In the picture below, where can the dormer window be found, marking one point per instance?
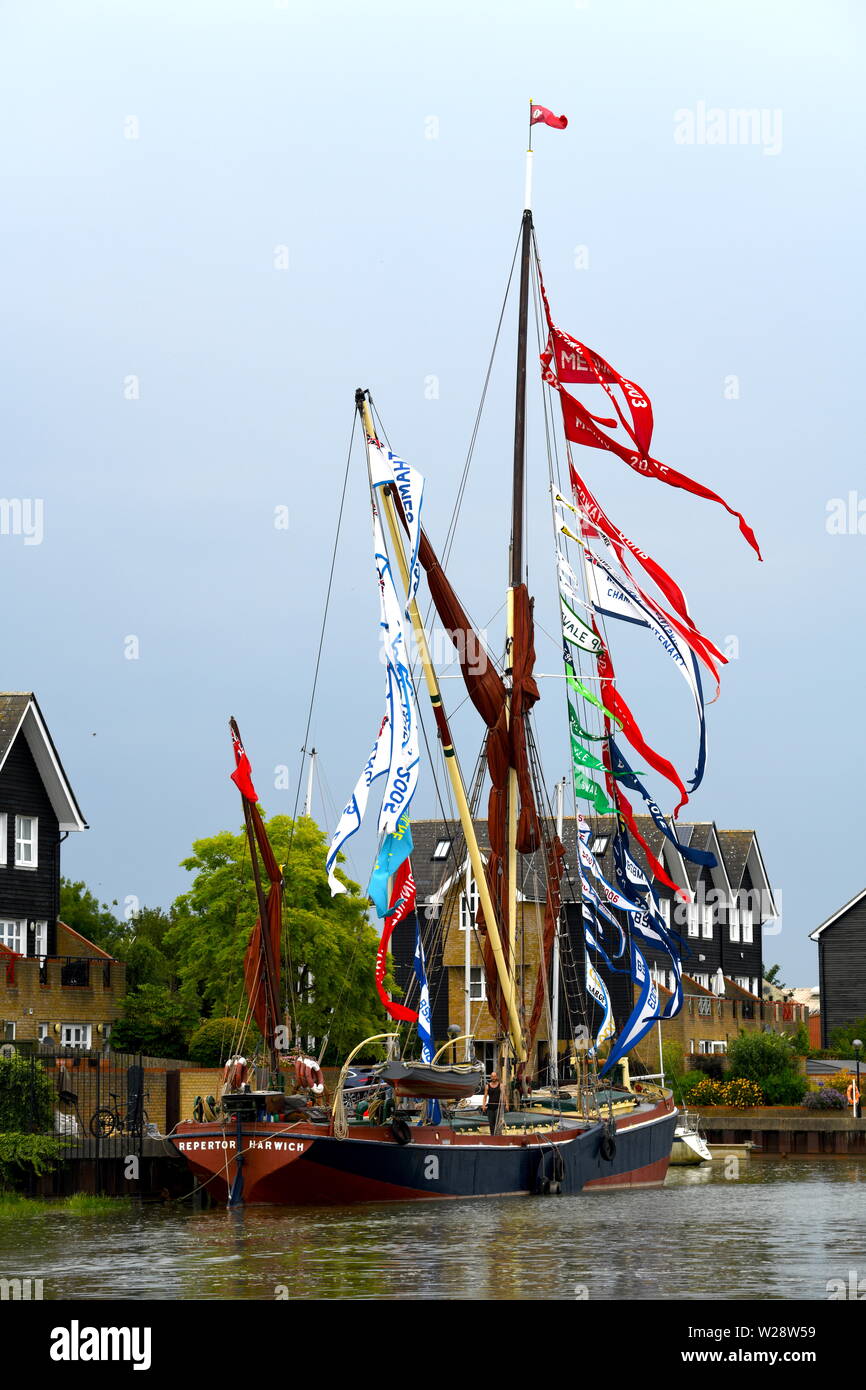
(442, 848)
(26, 842)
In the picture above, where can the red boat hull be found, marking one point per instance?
(304, 1164)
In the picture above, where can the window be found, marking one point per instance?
(477, 983)
(12, 936)
(44, 1032)
(599, 844)
(734, 923)
(8, 1032)
(665, 910)
(442, 848)
(756, 986)
(701, 978)
(26, 842)
(75, 1035)
(3, 837)
(743, 981)
(692, 920)
(706, 915)
(468, 910)
(748, 927)
(40, 939)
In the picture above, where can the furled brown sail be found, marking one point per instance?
(262, 958)
(505, 749)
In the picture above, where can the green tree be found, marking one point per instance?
(212, 1042)
(81, 910)
(841, 1039)
(329, 946)
(158, 1016)
(771, 975)
(157, 1021)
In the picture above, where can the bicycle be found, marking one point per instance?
(107, 1120)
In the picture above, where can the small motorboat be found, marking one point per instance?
(689, 1144)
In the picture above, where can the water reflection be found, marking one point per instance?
(776, 1231)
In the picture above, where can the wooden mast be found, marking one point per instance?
(454, 775)
(516, 556)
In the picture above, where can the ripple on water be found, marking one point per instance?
(778, 1231)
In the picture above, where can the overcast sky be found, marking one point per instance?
(220, 218)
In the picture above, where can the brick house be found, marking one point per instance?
(56, 987)
(722, 930)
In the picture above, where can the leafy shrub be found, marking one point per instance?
(760, 1055)
(784, 1088)
(688, 1082)
(23, 1155)
(708, 1063)
(841, 1080)
(827, 1098)
(210, 1044)
(741, 1093)
(27, 1096)
(706, 1091)
(672, 1057)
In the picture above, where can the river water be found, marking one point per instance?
(776, 1230)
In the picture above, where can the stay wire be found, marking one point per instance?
(323, 626)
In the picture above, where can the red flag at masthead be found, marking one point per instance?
(243, 773)
(541, 114)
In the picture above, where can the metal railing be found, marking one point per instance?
(96, 1104)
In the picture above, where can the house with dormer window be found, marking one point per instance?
(730, 907)
(56, 987)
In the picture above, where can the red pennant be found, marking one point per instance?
(243, 773)
(402, 903)
(582, 427)
(702, 647)
(612, 699)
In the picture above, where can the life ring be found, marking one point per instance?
(234, 1073)
(401, 1132)
(607, 1147)
(309, 1073)
(853, 1094)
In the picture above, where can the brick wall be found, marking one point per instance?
(27, 1001)
(198, 1081)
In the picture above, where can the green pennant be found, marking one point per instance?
(587, 790)
(578, 730)
(575, 630)
(578, 752)
(580, 689)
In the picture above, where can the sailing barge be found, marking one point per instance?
(269, 1147)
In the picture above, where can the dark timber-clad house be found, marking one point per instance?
(55, 986)
(842, 966)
